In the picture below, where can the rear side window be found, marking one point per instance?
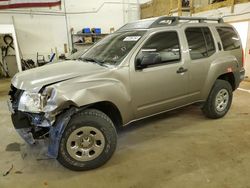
(209, 41)
(200, 42)
(230, 40)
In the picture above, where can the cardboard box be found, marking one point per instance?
(88, 39)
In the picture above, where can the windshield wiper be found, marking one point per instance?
(101, 63)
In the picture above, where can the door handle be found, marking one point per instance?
(181, 70)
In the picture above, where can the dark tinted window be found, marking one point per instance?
(164, 43)
(229, 38)
(200, 42)
(209, 41)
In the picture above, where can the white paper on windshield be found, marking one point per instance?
(132, 38)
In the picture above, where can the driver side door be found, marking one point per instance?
(162, 83)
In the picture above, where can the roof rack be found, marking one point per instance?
(174, 20)
(165, 21)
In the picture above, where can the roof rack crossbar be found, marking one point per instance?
(173, 20)
(164, 21)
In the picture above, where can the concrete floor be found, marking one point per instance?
(177, 149)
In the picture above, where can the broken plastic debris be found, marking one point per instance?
(7, 172)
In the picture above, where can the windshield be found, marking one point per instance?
(76, 55)
(113, 48)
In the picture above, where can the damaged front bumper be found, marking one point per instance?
(29, 125)
(24, 124)
(32, 126)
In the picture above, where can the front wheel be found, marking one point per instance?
(219, 100)
(88, 141)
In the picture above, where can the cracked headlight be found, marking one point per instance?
(31, 102)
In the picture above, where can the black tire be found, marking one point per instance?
(209, 109)
(88, 118)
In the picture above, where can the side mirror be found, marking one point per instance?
(147, 59)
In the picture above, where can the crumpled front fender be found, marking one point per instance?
(56, 131)
(85, 93)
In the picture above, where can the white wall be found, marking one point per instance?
(247, 52)
(43, 29)
(9, 28)
(144, 1)
(242, 29)
(244, 32)
(39, 33)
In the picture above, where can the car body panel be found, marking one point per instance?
(157, 93)
(107, 86)
(35, 79)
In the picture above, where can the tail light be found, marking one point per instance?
(243, 58)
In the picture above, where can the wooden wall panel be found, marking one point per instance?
(163, 7)
(157, 8)
(147, 10)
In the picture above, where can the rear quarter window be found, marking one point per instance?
(229, 38)
(200, 42)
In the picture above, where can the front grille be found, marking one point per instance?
(15, 95)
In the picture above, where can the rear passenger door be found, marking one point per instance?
(201, 47)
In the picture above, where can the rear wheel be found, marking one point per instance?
(219, 100)
(88, 141)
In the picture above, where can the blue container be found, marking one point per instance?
(86, 30)
(96, 30)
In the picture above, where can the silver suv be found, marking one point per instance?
(145, 68)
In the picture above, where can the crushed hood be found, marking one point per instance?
(35, 79)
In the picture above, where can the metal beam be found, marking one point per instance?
(179, 7)
(191, 5)
(232, 5)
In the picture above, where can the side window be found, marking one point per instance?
(165, 45)
(209, 41)
(200, 42)
(229, 38)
